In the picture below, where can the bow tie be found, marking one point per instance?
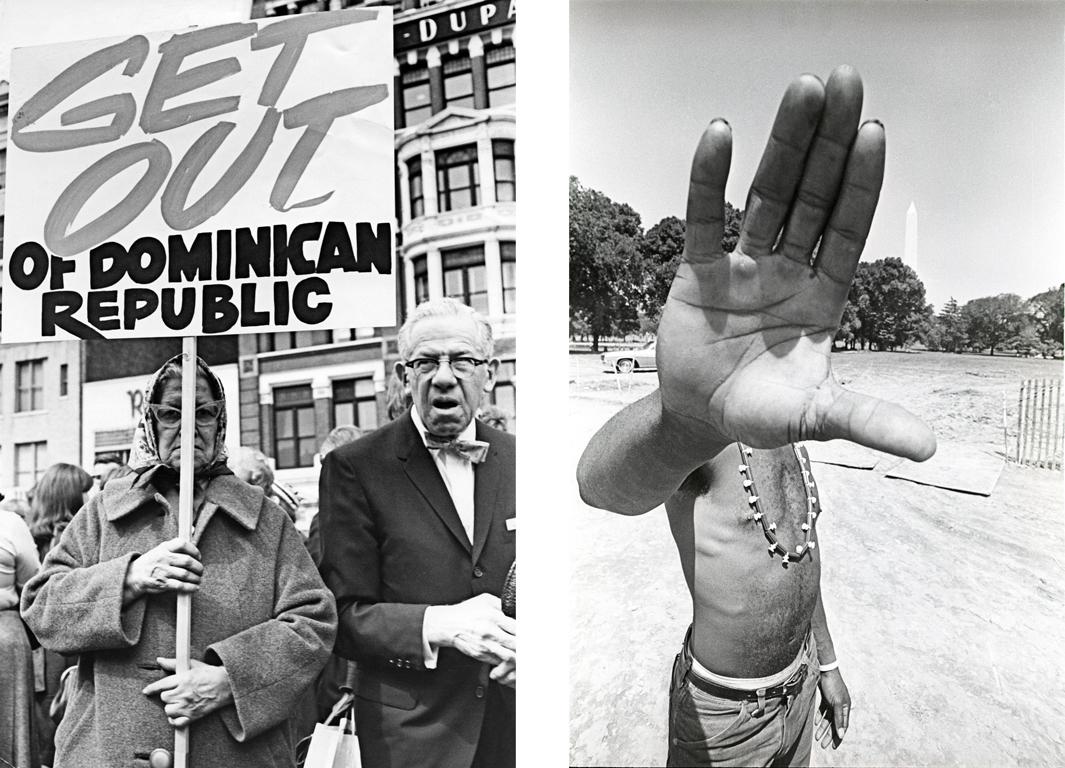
(474, 451)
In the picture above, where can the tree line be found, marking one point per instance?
(620, 277)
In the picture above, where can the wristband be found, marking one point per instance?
(830, 666)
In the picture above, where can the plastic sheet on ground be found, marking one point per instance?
(843, 453)
(955, 466)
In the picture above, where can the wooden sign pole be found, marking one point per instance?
(189, 374)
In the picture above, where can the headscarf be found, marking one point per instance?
(145, 452)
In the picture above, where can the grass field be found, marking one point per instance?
(946, 608)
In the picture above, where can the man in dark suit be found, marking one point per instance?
(417, 523)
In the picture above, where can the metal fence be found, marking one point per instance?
(1039, 427)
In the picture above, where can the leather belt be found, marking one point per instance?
(789, 688)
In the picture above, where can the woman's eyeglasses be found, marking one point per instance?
(206, 414)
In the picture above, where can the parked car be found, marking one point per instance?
(628, 360)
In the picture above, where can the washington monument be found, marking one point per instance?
(910, 254)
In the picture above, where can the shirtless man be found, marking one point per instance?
(744, 362)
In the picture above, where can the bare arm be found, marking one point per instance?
(833, 713)
(826, 652)
(641, 456)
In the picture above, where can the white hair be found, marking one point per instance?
(446, 307)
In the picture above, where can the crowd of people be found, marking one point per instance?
(402, 570)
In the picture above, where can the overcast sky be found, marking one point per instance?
(971, 95)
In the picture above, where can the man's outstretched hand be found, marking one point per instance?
(745, 338)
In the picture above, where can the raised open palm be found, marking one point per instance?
(745, 338)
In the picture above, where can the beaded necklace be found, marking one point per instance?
(813, 506)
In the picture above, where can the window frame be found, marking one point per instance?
(409, 79)
(416, 171)
(120, 453)
(421, 279)
(35, 390)
(503, 152)
(40, 462)
(268, 341)
(497, 58)
(454, 68)
(508, 254)
(505, 376)
(298, 439)
(464, 156)
(355, 400)
(462, 261)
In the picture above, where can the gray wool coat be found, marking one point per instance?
(262, 611)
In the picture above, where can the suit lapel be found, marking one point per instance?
(421, 469)
(486, 488)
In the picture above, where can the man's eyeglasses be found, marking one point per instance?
(462, 367)
(206, 414)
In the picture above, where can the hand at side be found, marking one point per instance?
(190, 695)
(834, 711)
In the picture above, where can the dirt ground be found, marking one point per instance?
(946, 609)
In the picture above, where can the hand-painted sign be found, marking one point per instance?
(229, 179)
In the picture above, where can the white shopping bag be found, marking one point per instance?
(334, 746)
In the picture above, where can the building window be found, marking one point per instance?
(3, 167)
(417, 105)
(354, 402)
(283, 340)
(502, 75)
(457, 178)
(289, 7)
(458, 83)
(117, 455)
(503, 154)
(63, 383)
(31, 459)
(29, 384)
(417, 192)
(507, 257)
(464, 276)
(502, 395)
(295, 440)
(421, 280)
(367, 332)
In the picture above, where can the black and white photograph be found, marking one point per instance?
(790, 478)
(814, 379)
(258, 384)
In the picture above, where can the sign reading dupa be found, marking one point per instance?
(237, 178)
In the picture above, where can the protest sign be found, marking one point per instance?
(235, 178)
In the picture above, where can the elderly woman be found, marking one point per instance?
(262, 622)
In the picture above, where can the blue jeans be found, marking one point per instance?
(709, 730)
